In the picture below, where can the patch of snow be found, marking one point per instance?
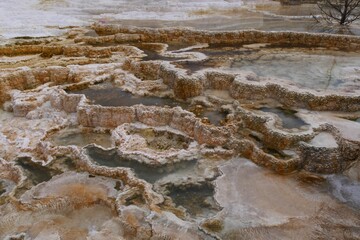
(38, 18)
(324, 140)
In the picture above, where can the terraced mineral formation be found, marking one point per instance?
(139, 133)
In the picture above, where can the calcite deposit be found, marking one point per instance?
(141, 133)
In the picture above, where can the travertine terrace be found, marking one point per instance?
(112, 132)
